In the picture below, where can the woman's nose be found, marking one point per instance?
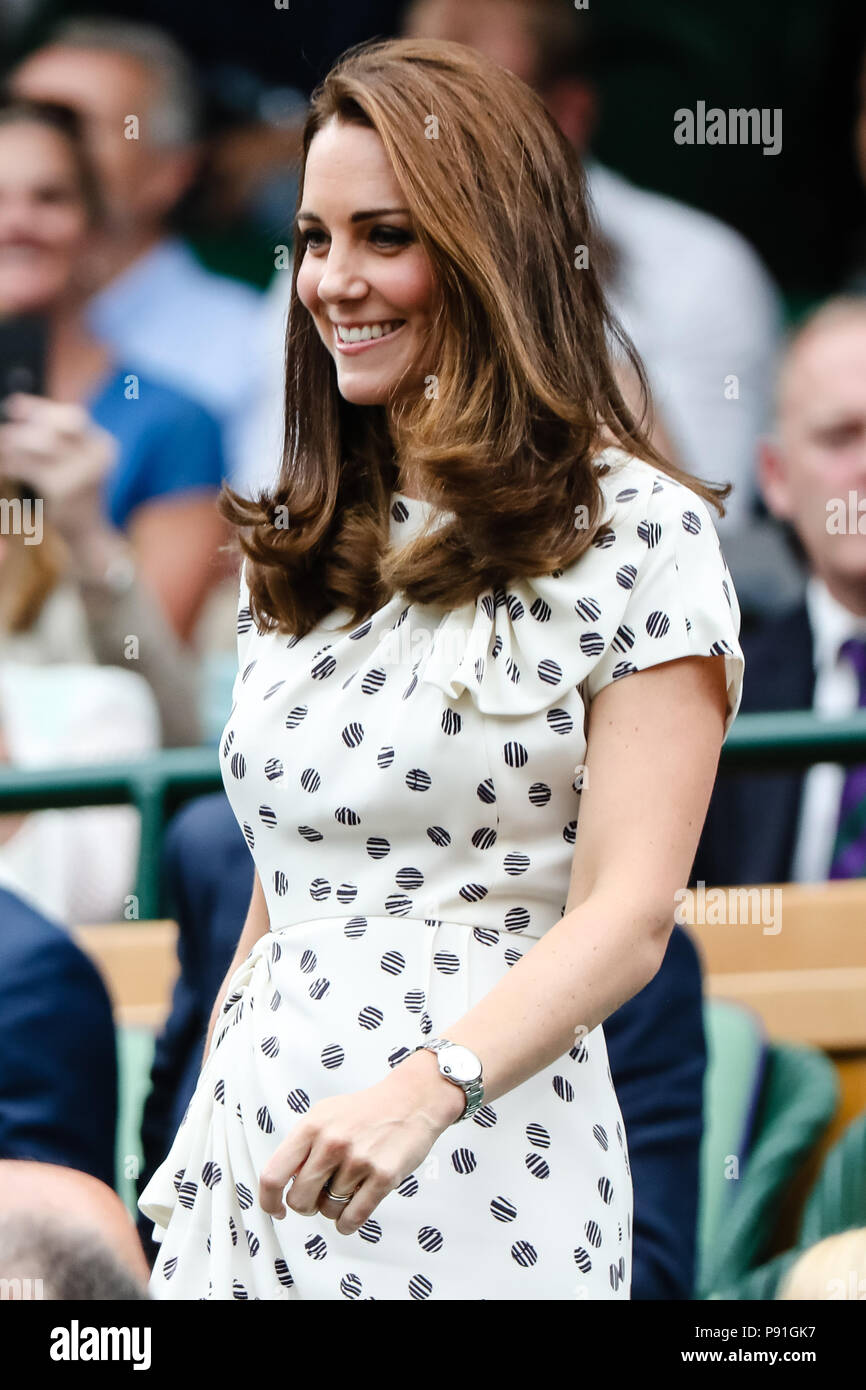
(16, 217)
(340, 278)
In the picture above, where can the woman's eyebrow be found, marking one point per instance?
(356, 216)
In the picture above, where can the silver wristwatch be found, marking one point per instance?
(461, 1066)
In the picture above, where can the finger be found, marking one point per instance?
(19, 404)
(280, 1168)
(327, 1154)
(308, 1187)
(70, 419)
(343, 1184)
(330, 1209)
(29, 438)
(365, 1201)
(66, 417)
(18, 468)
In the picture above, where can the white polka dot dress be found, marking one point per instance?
(407, 789)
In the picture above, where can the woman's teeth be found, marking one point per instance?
(370, 330)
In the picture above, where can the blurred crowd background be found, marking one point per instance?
(148, 177)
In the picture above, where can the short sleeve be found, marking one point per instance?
(168, 445)
(681, 599)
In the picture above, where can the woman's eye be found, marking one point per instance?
(383, 235)
(307, 237)
(391, 236)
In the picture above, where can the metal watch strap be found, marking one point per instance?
(473, 1090)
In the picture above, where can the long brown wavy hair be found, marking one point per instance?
(524, 345)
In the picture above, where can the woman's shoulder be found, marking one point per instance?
(161, 401)
(651, 586)
(168, 442)
(629, 483)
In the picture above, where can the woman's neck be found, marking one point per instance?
(76, 360)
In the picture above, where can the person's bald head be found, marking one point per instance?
(817, 455)
(67, 1229)
(822, 369)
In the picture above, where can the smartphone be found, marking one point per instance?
(23, 354)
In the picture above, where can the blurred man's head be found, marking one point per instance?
(69, 1231)
(817, 457)
(544, 42)
(136, 94)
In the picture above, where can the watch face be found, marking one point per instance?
(460, 1063)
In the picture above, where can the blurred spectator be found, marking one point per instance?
(75, 865)
(157, 304)
(58, 1067)
(106, 447)
(806, 827)
(69, 603)
(66, 1236)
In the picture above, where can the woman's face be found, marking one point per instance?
(363, 268)
(43, 218)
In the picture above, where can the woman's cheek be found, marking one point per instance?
(307, 282)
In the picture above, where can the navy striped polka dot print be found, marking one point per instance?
(410, 791)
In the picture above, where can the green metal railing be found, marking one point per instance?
(158, 785)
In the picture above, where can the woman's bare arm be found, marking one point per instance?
(653, 748)
(256, 925)
(177, 543)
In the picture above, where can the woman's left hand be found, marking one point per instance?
(365, 1143)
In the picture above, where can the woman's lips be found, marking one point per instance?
(350, 348)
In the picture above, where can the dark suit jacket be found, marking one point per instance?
(58, 1065)
(655, 1045)
(750, 831)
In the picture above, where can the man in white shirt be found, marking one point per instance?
(782, 827)
(813, 476)
(156, 305)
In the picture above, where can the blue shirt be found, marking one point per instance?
(202, 333)
(169, 444)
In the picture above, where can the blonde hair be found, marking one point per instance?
(28, 573)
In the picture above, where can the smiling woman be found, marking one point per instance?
(365, 279)
(130, 480)
(431, 939)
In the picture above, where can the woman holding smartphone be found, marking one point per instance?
(128, 468)
(488, 654)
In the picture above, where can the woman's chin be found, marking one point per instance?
(364, 393)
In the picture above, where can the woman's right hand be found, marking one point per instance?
(64, 456)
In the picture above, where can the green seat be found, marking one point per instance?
(134, 1056)
(836, 1203)
(737, 1053)
(798, 1100)
(838, 1199)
